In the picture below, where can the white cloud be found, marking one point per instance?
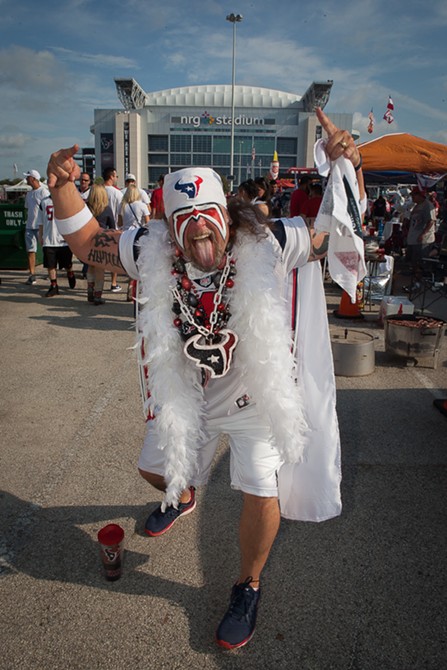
(11, 142)
(176, 60)
(27, 71)
(96, 60)
(422, 108)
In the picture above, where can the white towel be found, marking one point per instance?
(340, 216)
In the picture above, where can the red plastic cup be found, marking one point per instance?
(111, 544)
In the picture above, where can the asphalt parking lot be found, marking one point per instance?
(365, 591)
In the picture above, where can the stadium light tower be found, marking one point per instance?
(233, 18)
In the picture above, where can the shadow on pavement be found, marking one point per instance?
(362, 590)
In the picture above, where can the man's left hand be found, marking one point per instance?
(339, 142)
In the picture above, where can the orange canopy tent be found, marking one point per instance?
(403, 152)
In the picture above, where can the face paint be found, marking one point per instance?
(208, 211)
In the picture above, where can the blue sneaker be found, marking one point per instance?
(238, 625)
(159, 522)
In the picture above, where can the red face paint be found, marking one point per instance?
(208, 211)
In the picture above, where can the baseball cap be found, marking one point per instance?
(192, 186)
(32, 173)
(130, 177)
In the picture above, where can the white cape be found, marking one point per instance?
(310, 490)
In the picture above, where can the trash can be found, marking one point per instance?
(13, 255)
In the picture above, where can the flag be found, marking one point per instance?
(426, 181)
(253, 153)
(15, 168)
(274, 166)
(371, 121)
(389, 118)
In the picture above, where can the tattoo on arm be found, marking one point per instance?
(319, 245)
(104, 250)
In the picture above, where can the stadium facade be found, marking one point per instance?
(160, 132)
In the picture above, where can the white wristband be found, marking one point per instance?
(75, 222)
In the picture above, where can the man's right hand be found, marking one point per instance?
(62, 167)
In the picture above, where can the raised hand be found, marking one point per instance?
(62, 167)
(339, 142)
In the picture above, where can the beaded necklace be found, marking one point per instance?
(207, 340)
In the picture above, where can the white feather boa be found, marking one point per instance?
(259, 317)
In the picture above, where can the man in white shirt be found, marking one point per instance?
(56, 252)
(33, 199)
(115, 197)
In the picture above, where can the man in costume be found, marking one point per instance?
(217, 286)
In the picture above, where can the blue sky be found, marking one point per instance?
(58, 61)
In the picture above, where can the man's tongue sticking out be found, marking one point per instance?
(204, 253)
(202, 245)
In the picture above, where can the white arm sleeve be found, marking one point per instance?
(126, 251)
(296, 249)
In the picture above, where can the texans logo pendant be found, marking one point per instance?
(214, 358)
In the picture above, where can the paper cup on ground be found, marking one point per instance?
(111, 544)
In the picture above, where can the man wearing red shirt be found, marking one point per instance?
(300, 197)
(157, 205)
(314, 201)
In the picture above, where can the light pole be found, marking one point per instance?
(233, 18)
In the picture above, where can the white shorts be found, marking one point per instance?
(254, 461)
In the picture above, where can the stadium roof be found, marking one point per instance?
(132, 96)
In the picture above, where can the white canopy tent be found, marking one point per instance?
(20, 186)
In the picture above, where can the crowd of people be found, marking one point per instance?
(276, 201)
(409, 223)
(112, 207)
